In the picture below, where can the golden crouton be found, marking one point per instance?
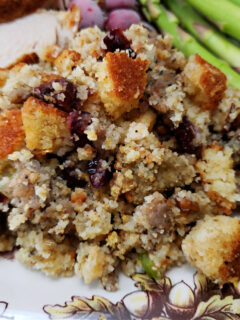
(11, 132)
(67, 61)
(148, 118)
(204, 82)
(122, 81)
(218, 176)
(44, 125)
(213, 246)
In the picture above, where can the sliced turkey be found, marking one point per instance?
(32, 33)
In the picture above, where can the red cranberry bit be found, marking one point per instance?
(122, 18)
(185, 135)
(61, 92)
(3, 198)
(3, 215)
(9, 255)
(78, 121)
(99, 175)
(3, 222)
(116, 40)
(162, 130)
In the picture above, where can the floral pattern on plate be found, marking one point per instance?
(158, 299)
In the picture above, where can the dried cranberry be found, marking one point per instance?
(9, 255)
(99, 176)
(116, 40)
(3, 198)
(3, 222)
(78, 121)
(162, 130)
(185, 135)
(60, 92)
(69, 174)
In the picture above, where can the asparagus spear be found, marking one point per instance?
(148, 266)
(237, 2)
(225, 14)
(168, 23)
(203, 31)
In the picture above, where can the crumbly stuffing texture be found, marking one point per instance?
(106, 155)
(218, 177)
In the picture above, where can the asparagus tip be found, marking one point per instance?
(184, 36)
(172, 17)
(201, 29)
(237, 69)
(154, 10)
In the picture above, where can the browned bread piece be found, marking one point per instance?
(67, 61)
(213, 246)
(12, 9)
(44, 125)
(218, 178)
(11, 132)
(122, 81)
(204, 82)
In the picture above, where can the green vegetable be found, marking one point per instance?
(148, 266)
(203, 31)
(168, 23)
(224, 13)
(237, 2)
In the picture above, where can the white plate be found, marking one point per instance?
(182, 295)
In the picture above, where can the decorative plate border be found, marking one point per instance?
(157, 299)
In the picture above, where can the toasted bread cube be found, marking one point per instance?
(12, 136)
(45, 126)
(93, 261)
(213, 246)
(122, 81)
(148, 118)
(218, 177)
(67, 60)
(204, 82)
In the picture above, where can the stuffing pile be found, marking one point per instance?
(116, 146)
